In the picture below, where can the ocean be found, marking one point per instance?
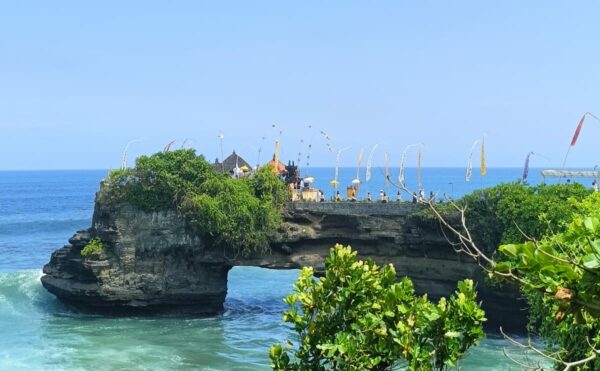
(40, 210)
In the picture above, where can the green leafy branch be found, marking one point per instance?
(359, 317)
(558, 273)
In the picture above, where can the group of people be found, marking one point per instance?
(421, 197)
(384, 198)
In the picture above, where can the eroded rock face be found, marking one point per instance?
(154, 263)
(151, 263)
(389, 234)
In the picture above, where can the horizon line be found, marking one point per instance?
(330, 167)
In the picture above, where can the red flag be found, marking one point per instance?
(576, 135)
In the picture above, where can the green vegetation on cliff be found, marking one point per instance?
(94, 247)
(236, 213)
(513, 212)
(508, 212)
(359, 317)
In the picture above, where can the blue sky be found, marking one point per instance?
(79, 79)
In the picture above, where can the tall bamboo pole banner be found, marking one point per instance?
(483, 168)
(370, 162)
(401, 173)
(323, 135)
(168, 146)
(577, 132)
(419, 169)
(309, 150)
(335, 182)
(326, 137)
(387, 173)
(361, 157)
(300, 153)
(470, 162)
(262, 142)
(221, 136)
(526, 168)
(124, 159)
(327, 140)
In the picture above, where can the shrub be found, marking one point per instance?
(237, 213)
(552, 255)
(513, 212)
(359, 317)
(94, 247)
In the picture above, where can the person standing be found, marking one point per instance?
(338, 198)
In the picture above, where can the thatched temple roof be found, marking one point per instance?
(231, 162)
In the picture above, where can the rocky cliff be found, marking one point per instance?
(153, 262)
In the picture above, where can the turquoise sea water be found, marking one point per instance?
(39, 211)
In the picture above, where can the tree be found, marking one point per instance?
(359, 317)
(557, 270)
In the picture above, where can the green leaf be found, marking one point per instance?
(508, 250)
(452, 334)
(590, 261)
(590, 223)
(276, 351)
(433, 316)
(596, 246)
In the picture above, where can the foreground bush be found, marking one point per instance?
(359, 317)
(560, 277)
(551, 252)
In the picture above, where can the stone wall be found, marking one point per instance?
(357, 208)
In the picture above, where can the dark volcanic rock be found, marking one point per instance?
(151, 263)
(154, 263)
(389, 234)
